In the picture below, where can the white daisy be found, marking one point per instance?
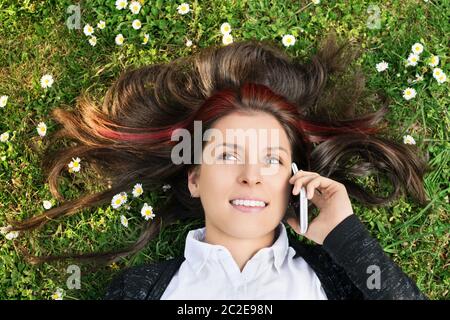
(136, 24)
(437, 72)
(412, 59)
(41, 129)
(135, 7)
(433, 61)
(183, 8)
(166, 187)
(146, 37)
(101, 24)
(408, 140)
(316, 1)
(74, 165)
(93, 41)
(409, 93)
(227, 39)
(58, 295)
(3, 101)
(47, 204)
(12, 235)
(88, 30)
(417, 48)
(288, 40)
(147, 212)
(4, 137)
(4, 230)
(188, 43)
(225, 28)
(439, 75)
(442, 78)
(382, 66)
(119, 39)
(116, 201)
(121, 4)
(46, 81)
(137, 190)
(124, 221)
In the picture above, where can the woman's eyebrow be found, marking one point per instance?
(240, 148)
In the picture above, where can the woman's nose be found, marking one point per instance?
(250, 174)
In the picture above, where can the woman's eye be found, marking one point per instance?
(274, 158)
(224, 155)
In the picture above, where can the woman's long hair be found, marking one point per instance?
(128, 138)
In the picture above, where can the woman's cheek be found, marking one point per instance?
(283, 191)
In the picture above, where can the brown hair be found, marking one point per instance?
(127, 139)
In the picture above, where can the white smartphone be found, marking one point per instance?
(303, 207)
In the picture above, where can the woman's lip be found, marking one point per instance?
(248, 209)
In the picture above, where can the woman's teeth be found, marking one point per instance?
(248, 203)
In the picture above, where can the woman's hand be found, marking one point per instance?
(332, 201)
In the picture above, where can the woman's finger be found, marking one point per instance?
(300, 174)
(319, 183)
(302, 181)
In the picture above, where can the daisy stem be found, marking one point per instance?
(301, 9)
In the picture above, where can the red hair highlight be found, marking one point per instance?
(226, 101)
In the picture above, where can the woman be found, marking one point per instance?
(251, 86)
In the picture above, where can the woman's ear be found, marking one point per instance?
(193, 175)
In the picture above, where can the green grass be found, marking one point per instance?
(34, 40)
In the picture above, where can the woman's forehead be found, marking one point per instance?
(247, 119)
(249, 128)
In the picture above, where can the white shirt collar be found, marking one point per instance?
(197, 252)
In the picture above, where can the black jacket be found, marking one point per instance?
(346, 265)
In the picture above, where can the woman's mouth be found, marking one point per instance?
(248, 206)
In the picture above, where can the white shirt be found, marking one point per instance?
(210, 272)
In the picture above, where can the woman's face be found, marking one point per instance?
(258, 167)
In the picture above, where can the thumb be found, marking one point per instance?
(313, 232)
